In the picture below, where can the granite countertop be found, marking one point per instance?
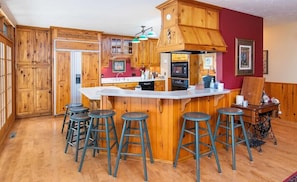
(95, 93)
(127, 80)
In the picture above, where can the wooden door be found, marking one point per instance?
(90, 72)
(62, 80)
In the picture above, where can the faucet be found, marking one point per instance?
(118, 74)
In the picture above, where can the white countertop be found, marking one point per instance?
(95, 93)
(126, 80)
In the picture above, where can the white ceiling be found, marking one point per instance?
(125, 17)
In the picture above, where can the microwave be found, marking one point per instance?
(179, 69)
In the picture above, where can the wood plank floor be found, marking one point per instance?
(36, 153)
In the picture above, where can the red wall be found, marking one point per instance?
(238, 25)
(130, 71)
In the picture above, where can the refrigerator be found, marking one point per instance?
(165, 67)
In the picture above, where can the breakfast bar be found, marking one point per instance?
(165, 109)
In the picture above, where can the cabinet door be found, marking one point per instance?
(42, 91)
(143, 53)
(90, 72)
(62, 80)
(153, 53)
(106, 53)
(25, 47)
(159, 85)
(41, 47)
(24, 90)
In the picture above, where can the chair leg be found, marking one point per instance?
(213, 147)
(120, 149)
(69, 135)
(108, 145)
(143, 150)
(246, 139)
(197, 151)
(148, 141)
(179, 144)
(233, 144)
(64, 120)
(85, 146)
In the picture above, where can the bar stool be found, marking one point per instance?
(140, 119)
(104, 124)
(75, 110)
(230, 113)
(77, 129)
(67, 113)
(197, 118)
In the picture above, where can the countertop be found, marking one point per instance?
(127, 80)
(95, 93)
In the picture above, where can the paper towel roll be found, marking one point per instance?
(239, 99)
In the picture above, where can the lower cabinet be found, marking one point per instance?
(159, 85)
(34, 91)
(127, 85)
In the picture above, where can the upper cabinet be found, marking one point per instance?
(115, 46)
(145, 54)
(33, 46)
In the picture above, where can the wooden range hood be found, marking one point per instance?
(189, 25)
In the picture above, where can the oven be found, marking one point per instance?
(179, 84)
(179, 69)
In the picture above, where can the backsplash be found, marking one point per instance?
(130, 71)
(106, 72)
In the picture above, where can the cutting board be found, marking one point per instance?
(252, 89)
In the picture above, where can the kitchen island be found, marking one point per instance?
(165, 109)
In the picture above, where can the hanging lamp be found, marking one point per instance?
(142, 36)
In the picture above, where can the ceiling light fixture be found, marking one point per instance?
(142, 36)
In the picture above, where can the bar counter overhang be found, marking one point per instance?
(165, 110)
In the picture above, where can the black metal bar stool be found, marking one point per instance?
(67, 113)
(140, 119)
(104, 124)
(230, 114)
(197, 118)
(77, 129)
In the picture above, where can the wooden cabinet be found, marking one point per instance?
(159, 85)
(145, 54)
(115, 46)
(33, 72)
(125, 85)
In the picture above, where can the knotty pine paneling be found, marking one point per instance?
(286, 93)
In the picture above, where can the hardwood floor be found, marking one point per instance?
(36, 153)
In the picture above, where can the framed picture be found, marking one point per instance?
(208, 62)
(265, 62)
(118, 66)
(244, 56)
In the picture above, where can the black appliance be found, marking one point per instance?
(179, 84)
(147, 85)
(179, 69)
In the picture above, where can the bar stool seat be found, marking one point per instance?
(230, 113)
(140, 130)
(77, 131)
(101, 122)
(197, 118)
(67, 113)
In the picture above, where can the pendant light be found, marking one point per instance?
(142, 36)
